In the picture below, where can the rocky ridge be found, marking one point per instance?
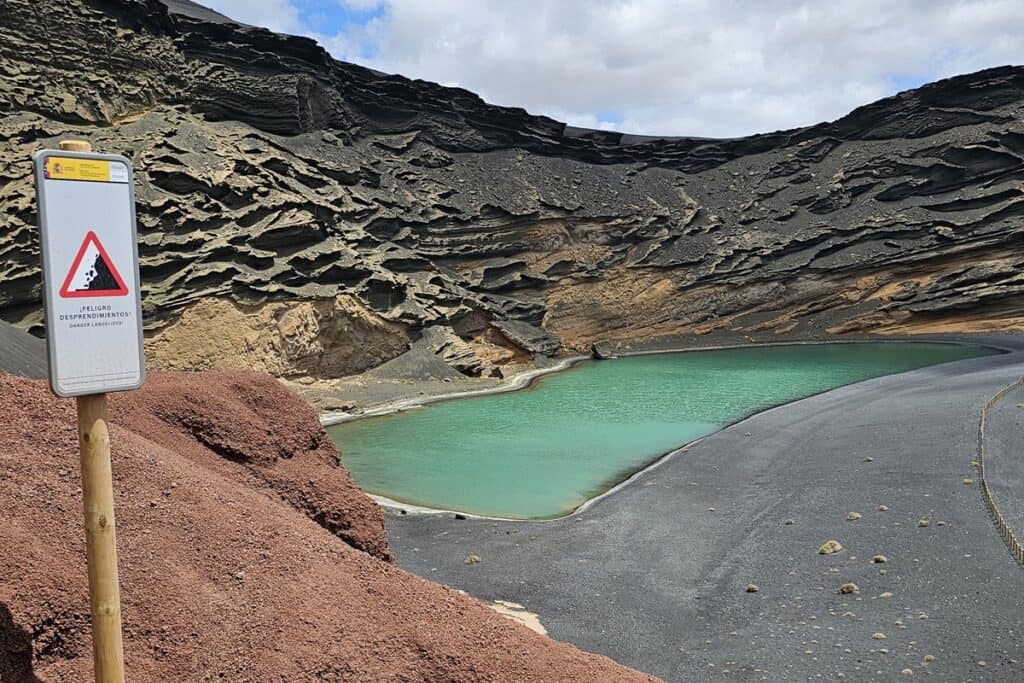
(313, 218)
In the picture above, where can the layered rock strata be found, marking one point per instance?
(338, 213)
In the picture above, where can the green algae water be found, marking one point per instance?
(543, 451)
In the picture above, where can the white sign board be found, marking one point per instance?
(90, 272)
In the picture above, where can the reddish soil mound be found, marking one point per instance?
(240, 552)
(249, 427)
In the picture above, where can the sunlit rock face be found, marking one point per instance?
(376, 207)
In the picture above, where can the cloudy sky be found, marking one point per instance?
(712, 68)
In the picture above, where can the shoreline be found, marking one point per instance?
(526, 379)
(514, 383)
(750, 502)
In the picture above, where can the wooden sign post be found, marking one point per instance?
(100, 538)
(94, 343)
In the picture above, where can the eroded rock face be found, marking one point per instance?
(271, 175)
(315, 338)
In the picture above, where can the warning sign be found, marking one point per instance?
(93, 273)
(90, 272)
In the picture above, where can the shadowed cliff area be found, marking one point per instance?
(312, 218)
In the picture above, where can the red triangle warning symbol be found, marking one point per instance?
(92, 272)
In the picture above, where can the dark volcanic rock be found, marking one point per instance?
(269, 173)
(601, 350)
(526, 336)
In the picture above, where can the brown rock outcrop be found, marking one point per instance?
(322, 338)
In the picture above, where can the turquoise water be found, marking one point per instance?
(543, 451)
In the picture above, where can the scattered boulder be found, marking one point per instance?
(830, 547)
(472, 559)
(848, 588)
(752, 588)
(602, 350)
(853, 516)
(455, 351)
(528, 337)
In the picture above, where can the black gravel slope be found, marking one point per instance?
(655, 574)
(21, 353)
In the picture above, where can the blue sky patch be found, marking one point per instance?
(331, 18)
(906, 82)
(615, 117)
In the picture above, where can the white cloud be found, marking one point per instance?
(679, 67)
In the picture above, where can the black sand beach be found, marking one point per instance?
(656, 574)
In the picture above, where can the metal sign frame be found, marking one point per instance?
(52, 280)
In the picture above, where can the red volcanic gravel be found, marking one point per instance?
(246, 552)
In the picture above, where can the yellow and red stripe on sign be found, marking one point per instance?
(97, 170)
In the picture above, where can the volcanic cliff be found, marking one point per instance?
(312, 218)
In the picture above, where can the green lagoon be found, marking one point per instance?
(543, 451)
